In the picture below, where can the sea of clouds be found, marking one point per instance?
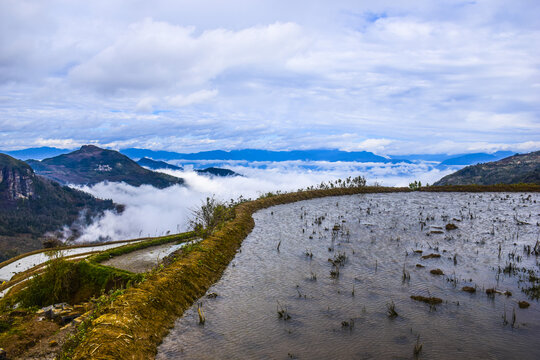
(153, 212)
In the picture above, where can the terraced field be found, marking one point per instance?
(344, 277)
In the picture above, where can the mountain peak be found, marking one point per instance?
(91, 164)
(90, 148)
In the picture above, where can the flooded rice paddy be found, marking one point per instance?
(332, 278)
(143, 260)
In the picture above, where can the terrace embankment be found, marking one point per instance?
(139, 319)
(344, 282)
(70, 274)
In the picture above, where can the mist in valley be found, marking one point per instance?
(153, 212)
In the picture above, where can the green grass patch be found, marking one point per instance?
(72, 282)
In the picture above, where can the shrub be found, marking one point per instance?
(416, 185)
(72, 282)
(210, 217)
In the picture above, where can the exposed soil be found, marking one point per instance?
(32, 337)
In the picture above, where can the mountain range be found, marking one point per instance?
(90, 165)
(157, 165)
(475, 158)
(262, 155)
(267, 155)
(38, 153)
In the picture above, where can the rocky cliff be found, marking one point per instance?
(15, 179)
(31, 206)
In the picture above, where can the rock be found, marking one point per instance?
(56, 313)
(61, 305)
(48, 312)
(437, 272)
(80, 308)
(69, 317)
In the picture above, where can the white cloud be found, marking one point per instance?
(156, 54)
(193, 98)
(494, 121)
(203, 75)
(375, 145)
(146, 104)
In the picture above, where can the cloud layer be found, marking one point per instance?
(391, 77)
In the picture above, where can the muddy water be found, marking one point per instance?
(143, 260)
(377, 233)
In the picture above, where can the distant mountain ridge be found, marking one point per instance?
(262, 155)
(331, 155)
(39, 153)
(476, 158)
(31, 205)
(156, 164)
(212, 171)
(90, 165)
(455, 159)
(520, 168)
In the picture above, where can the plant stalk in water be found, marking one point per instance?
(202, 318)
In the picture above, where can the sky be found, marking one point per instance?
(391, 77)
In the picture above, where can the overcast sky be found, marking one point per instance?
(392, 77)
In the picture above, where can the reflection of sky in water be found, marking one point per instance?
(383, 230)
